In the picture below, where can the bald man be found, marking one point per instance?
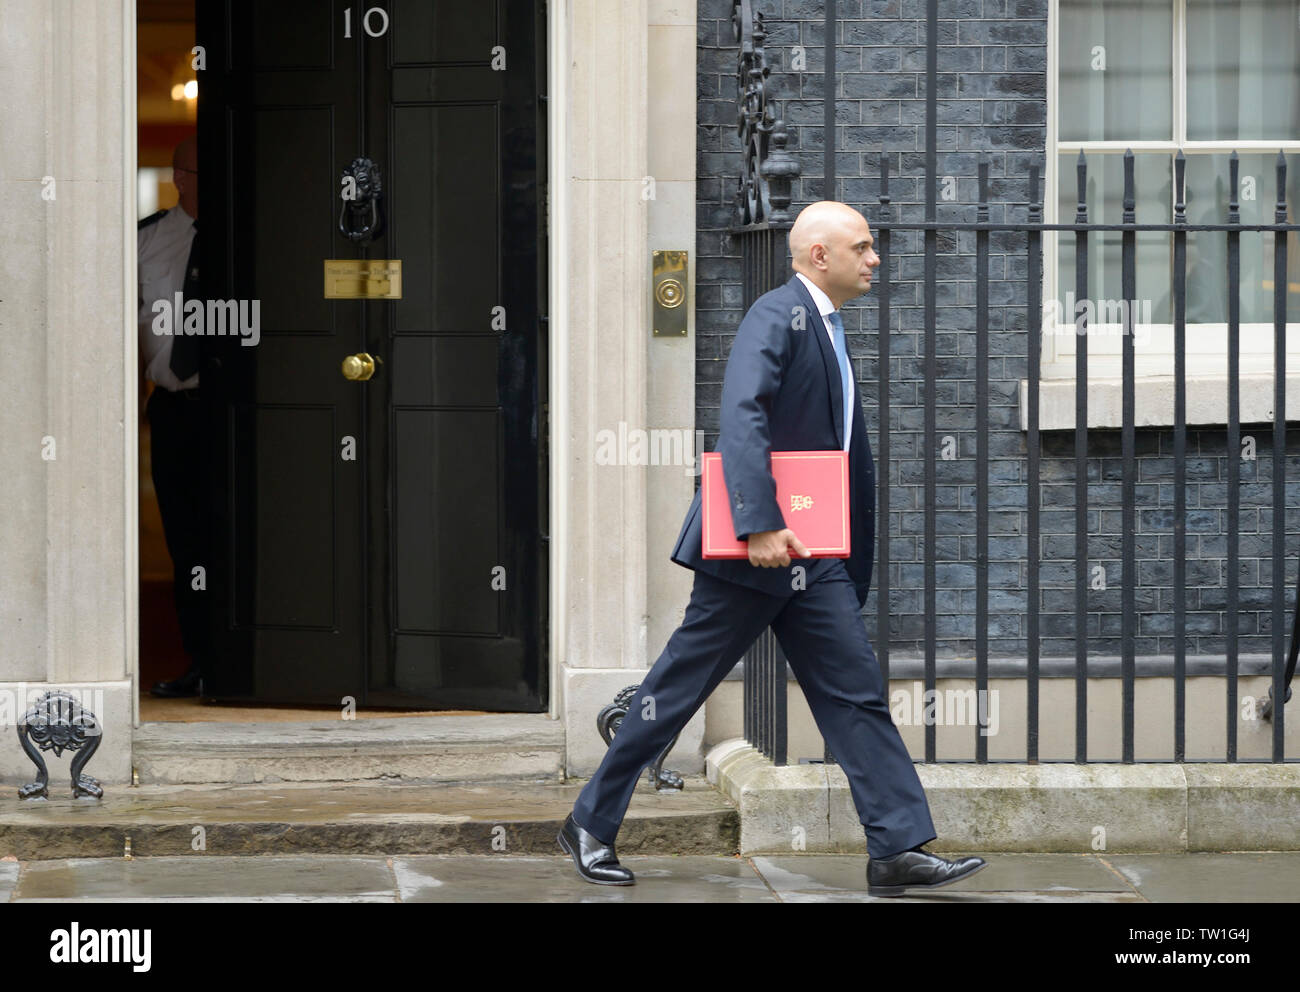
(789, 386)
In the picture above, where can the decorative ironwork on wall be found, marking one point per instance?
(611, 718)
(768, 170)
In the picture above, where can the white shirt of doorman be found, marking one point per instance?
(163, 249)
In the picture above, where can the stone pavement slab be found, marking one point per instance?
(199, 878)
(509, 879)
(8, 878)
(1007, 878)
(1254, 876)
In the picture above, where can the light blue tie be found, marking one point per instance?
(846, 374)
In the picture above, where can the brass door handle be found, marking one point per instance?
(360, 367)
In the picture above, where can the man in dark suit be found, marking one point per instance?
(788, 386)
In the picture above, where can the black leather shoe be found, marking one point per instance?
(917, 869)
(189, 684)
(595, 860)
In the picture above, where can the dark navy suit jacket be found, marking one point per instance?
(781, 392)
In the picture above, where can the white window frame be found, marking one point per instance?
(1206, 369)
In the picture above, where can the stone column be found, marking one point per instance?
(68, 413)
(623, 183)
(671, 400)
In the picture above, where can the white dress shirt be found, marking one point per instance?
(163, 249)
(825, 306)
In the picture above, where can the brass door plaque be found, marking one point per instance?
(669, 286)
(363, 278)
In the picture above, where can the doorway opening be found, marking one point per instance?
(167, 114)
(374, 468)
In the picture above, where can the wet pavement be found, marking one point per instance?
(1033, 878)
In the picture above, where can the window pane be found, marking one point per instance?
(1116, 70)
(1207, 251)
(1153, 185)
(1243, 70)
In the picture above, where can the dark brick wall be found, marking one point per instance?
(992, 100)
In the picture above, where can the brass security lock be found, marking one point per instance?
(669, 287)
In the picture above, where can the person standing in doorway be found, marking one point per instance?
(788, 386)
(167, 246)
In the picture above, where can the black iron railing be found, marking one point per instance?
(765, 715)
(760, 233)
(762, 227)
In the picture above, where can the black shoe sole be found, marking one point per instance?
(587, 878)
(888, 891)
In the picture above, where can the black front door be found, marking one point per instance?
(378, 539)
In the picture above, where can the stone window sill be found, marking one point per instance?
(1153, 400)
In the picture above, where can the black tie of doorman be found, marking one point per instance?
(185, 347)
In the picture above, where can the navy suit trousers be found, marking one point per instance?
(825, 642)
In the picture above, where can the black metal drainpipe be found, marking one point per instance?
(931, 244)
(830, 91)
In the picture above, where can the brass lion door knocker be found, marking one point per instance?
(362, 191)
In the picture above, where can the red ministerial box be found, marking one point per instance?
(812, 490)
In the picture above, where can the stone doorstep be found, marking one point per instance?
(477, 748)
(1057, 808)
(351, 818)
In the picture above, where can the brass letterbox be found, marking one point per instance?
(363, 279)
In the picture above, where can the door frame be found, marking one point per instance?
(555, 254)
(552, 47)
